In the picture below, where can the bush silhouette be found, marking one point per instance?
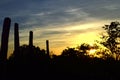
(29, 61)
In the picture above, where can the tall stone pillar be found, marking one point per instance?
(16, 38)
(31, 38)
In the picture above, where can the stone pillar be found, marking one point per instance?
(31, 38)
(16, 38)
(47, 47)
(4, 48)
(4, 39)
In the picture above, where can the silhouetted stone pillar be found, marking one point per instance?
(4, 39)
(16, 38)
(4, 48)
(31, 38)
(47, 47)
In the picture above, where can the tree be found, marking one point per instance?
(84, 47)
(112, 39)
(69, 52)
(27, 53)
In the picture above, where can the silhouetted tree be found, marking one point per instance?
(99, 52)
(26, 55)
(80, 51)
(111, 40)
(69, 52)
(83, 48)
(28, 64)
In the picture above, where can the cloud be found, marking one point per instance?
(112, 7)
(51, 13)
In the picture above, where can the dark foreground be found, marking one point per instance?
(64, 68)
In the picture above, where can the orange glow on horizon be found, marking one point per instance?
(71, 38)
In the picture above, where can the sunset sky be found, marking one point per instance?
(65, 23)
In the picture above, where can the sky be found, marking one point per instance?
(65, 23)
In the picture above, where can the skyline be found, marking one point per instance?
(63, 22)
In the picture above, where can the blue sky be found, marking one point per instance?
(66, 23)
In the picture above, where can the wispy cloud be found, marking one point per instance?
(112, 7)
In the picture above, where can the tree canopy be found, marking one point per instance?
(112, 39)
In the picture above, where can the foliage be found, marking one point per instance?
(111, 40)
(83, 47)
(28, 53)
(69, 52)
(84, 50)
